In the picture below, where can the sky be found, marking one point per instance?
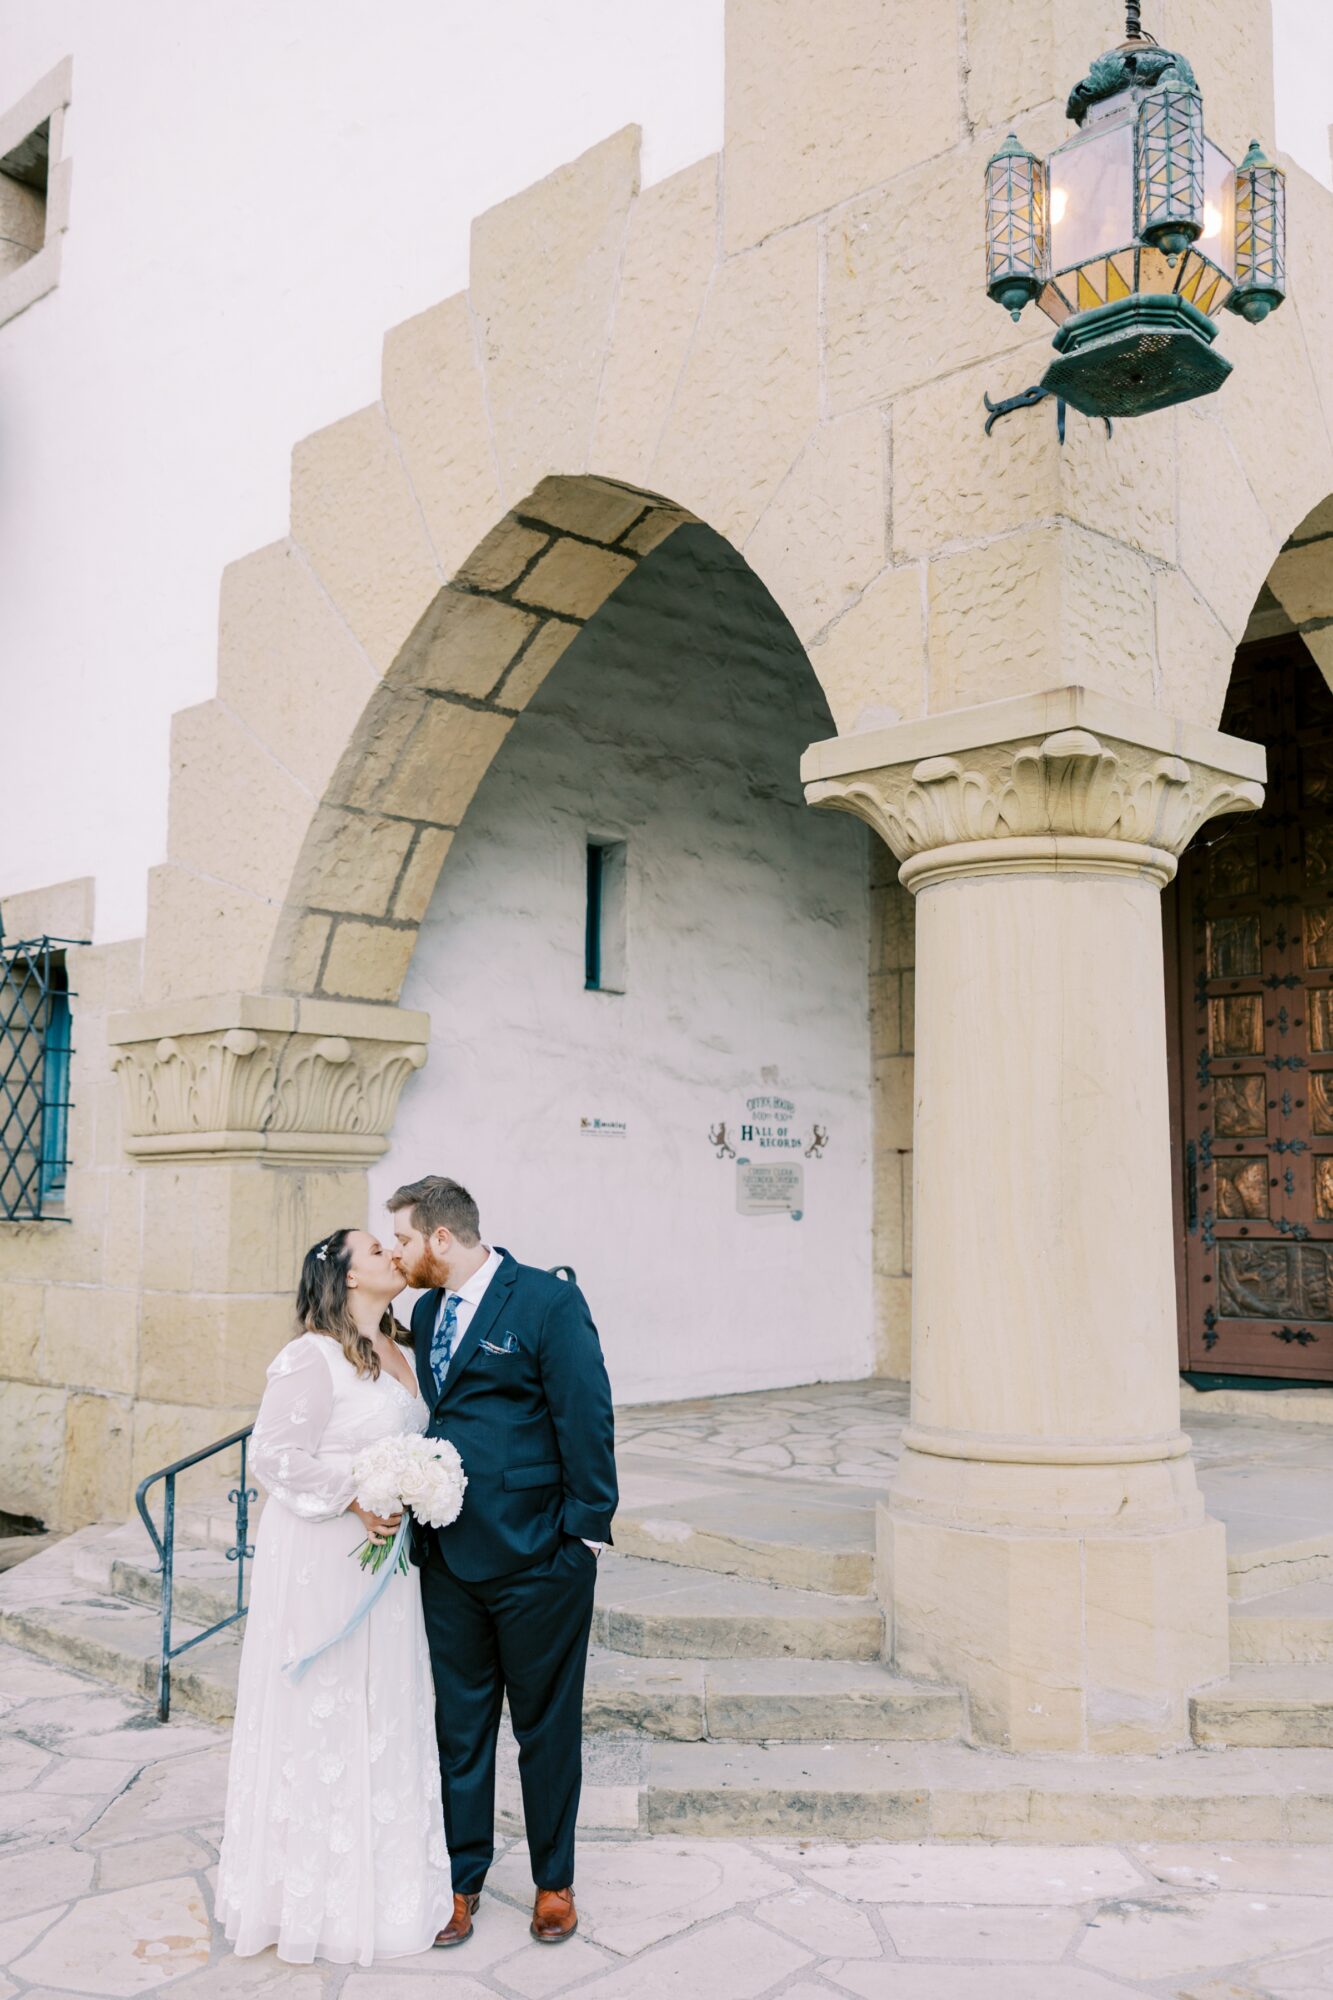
(1303, 81)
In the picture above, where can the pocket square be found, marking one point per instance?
(509, 1345)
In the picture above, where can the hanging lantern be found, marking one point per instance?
(1017, 243)
(1139, 233)
(1261, 236)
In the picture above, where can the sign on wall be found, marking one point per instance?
(768, 1125)
(762, 1189)
(768, 1142)
(603, 1128)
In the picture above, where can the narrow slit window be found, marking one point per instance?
(605, 917)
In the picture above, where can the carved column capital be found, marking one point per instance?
(252, 1076)
(1066, 779)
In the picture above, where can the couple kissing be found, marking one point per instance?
(361, 1792)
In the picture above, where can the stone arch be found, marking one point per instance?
(671, 730)
(1247, 467)
(1301, 582)
(377, 840)
(479, 653)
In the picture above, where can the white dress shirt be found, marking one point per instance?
(469, 1295)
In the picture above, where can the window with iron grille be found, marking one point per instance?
(35, 1051)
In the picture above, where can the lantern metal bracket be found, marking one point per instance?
(1025, 400)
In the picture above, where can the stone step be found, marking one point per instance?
(1264, 1557)
(664, 1611)
(800, 1542)
(100, 1613)
(1286, 1627)
(1280, 1708)
(119, 1642)
(652, 1609)
(811, 1537)
(766, 1700)
(912, 1791)
(120, 1562)
(203, 1588)
(801, 1537)
(842, 1701)
(16, 1549)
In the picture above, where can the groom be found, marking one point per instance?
(511, 1368)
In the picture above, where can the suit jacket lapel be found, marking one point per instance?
(421, 1345)
(483, 1319)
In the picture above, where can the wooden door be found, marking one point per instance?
(1253, 1068)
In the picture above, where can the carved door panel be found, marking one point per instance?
(1254, 992)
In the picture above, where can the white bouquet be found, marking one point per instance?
(422, 1474)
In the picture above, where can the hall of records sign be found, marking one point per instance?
(771, 1184)
(769, 1126)
(774, 1183)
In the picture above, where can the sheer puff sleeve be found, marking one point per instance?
(293, 1416)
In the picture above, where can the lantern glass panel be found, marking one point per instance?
(1015, 221)
(1218, 241)
(1092, 196)
(1156, 274)
(1261, 227)
(1169, 168)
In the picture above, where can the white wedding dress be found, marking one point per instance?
(334, 1839)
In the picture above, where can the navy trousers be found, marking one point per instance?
(524, 1636)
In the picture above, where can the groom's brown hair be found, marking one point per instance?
(439, 1203)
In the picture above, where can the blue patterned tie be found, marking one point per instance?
(442, 1340)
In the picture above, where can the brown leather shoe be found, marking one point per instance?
(459, 1927)
(554, 1917)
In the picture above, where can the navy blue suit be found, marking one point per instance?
(507, 1588)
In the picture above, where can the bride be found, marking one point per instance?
(334, 1838)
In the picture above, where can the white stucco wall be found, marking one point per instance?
(675, 723)
(260, 188)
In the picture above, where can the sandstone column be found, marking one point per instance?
(1044, 1543)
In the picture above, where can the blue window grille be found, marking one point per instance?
(35, 1051)
(55, 1095)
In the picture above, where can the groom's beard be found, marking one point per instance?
(426, 1274)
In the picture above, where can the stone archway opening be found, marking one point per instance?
(1249, 959)
(646, 964)
(428, 732)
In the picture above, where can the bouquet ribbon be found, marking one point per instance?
(297, 1669)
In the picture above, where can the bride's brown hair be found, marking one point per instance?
(323, 1304)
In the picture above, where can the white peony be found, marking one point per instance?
(435, 1486)
(423, 1474)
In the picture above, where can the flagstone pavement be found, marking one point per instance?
(109, 1826)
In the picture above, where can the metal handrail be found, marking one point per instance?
(165, 1544)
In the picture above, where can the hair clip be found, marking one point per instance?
(321, 1255)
